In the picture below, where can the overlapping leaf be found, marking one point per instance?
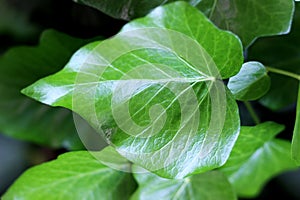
(154, 91)
(209, 186)
(124, 9)
(257, 156)
(75, 175)
(20, 116)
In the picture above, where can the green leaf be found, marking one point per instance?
(75, 175)
(222, 47)
(208, 186)
(282, 53)
(128, 9)
(155, 92)
(271, 17)
(296, 134)
(250, 19)
(111, 158)
(251, 83)
(124, 9)
(20, 116)
(258, 157)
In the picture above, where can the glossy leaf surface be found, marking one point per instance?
(251, 83)
(208, 186)
(154, 91)
(221, 46)
(250, 19)
(75, 175)
(258, 157)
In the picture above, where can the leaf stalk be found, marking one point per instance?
(283, 72)
(252, 112)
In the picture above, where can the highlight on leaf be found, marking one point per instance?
(155, 93)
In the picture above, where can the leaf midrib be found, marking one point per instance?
(179, 80)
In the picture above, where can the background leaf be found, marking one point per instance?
(296, 134)
(251, 83)
(124, 9)
(269, 52)
(270, 17)
(155, 122)
(257, 156)
(20, 116)
(74, 175)
(207, 186)
(250, 19)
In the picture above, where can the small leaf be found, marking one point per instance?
(75, 175)
(251, 83)
(296, 134)
(207, 186)
(42, 124)
(282, 53)
(155, 91)
(257, 156)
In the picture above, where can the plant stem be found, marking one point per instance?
(283, 72)
(252, 112)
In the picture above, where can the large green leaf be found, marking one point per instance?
(282, 53)
(154, 91)
(251, 83)
(20, 116)
(296, 134)
(223, 48)
(257, 156)
(207, 186)
(249, 19)
(75, 175)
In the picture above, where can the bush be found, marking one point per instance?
(187, 100)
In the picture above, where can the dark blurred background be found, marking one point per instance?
(21, 23)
